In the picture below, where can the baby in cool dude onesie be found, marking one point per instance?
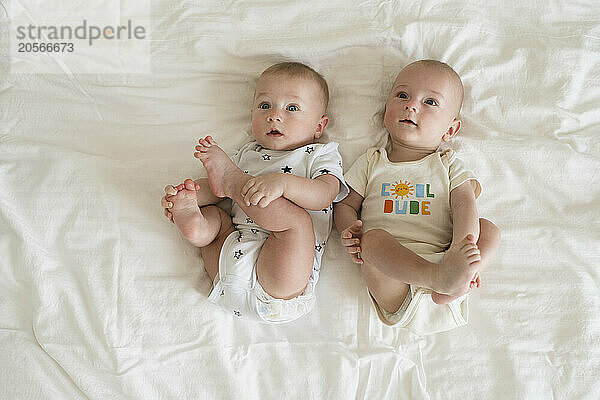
(264, 260)
(423, 243)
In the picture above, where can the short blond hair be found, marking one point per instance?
(296, 69)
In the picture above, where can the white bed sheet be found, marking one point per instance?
(100, 297)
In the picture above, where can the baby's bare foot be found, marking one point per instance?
(185, 211)
(170, 190)
(222, 172)
(439, 298)
(458, 268)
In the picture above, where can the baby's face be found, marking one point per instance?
(421, 107)
(287, 112)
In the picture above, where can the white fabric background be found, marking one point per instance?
(100, 297)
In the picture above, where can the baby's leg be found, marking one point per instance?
(205, 227)
(211, 252)
(198, 226)
(488, 243)
(286, 259)
(387, 292)
(383, 251)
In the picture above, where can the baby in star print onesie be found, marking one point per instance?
(264, 259)
(419, 240)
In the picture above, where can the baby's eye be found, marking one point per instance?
(431, 102)
(402, 95)
(264, 106)
(293, 107)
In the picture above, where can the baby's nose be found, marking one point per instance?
(410, 107)
(274, 117)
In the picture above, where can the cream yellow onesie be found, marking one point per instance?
(411, 201)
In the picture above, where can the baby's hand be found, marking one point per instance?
(351, 240)
(262, 190)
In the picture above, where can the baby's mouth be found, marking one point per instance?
(274, 132)
(408, 121)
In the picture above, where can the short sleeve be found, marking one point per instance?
(459, 173)
(328, 160)
(357, 175)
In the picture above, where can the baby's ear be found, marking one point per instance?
(452, 130)
(321, 126)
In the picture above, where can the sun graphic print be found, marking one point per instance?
(402, 189)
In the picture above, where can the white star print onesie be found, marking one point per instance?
(236, 288)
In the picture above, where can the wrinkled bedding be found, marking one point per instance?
(101, 298)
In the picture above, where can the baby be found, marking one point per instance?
(264, 262)
(423, 243)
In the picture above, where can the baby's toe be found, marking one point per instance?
(468, 248)
(472, 250)
(190, 184)
(169, 189)
(467, 240)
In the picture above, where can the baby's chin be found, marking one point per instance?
(279, 142)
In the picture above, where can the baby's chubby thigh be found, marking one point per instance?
(387, 292)
(379, 249)
(211, 253)
(286, 259)
(238, 290)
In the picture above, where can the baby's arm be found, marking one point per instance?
(345, 215)
(465, 219)
(311, 194)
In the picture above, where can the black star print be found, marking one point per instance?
(309, 149)
(266, 157)
(286, 170)
(255, 231)
(239, 239)
(237, 313)
(238, 254)
(318, 247)
(246, 172)
(249, 221)
(324, 171)
(222, 292)
(325, 210)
